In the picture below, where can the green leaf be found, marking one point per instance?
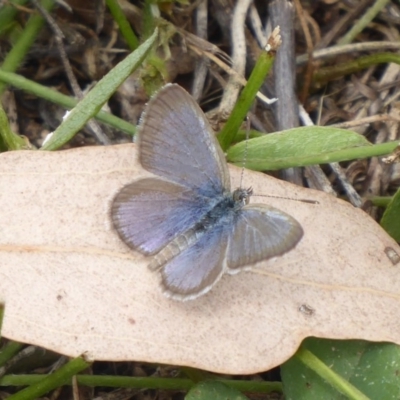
(351, 369)
(302, 146)
(390, 221)
(377, 373)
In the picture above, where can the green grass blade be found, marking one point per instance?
(91, 104)
(25, 41)
(246, 98)
(52, 381)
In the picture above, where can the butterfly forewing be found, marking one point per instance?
(261, 232)
(149, 213)
(177, 143)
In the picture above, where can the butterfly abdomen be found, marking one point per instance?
(172, 249)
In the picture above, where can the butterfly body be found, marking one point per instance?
(223, 213)
(187, 218)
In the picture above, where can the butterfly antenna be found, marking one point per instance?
(245, 149)
(309, 201)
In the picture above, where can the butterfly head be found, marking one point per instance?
(241, 196)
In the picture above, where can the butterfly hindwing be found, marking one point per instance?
(197, 268)
(260, 232)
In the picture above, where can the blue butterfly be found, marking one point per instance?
(186, 217)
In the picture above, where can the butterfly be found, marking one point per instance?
(186, 217)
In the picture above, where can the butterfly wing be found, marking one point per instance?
(195, 270)
(261, 232)
(151, 212)
(176, 142)
(256, 233)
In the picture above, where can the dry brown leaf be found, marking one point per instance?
(72, 286)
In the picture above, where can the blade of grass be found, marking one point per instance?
(246, 98)
(68, 102)
(8, 13)
(123, 24)
(8, 137)
(380, 201)
(1, 316)
(363, 22)
(327, 74)
(90, 105)
(144, 382)
(52, 381)
(8, 351)
(25, 41)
